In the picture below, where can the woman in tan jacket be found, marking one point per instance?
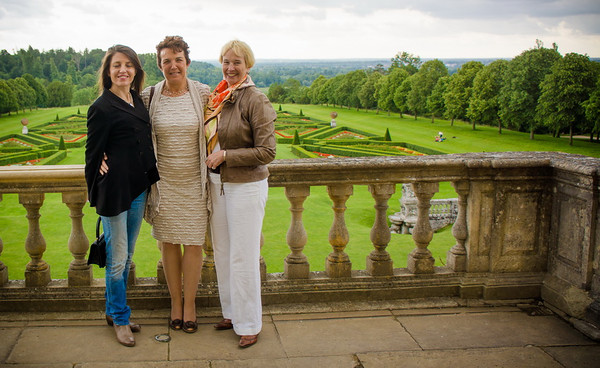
(239, 126)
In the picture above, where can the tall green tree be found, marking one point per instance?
(276, 93)
(315, 88)
(569, 84)
(484, 105)
(458, 92)
(386, 88)
(60, 94)
(592, 111)
(521, 89)
(366, 94)
(406, 61)
(8, 98)
(26, 96)
(40, 90)
(349, 87)
(423, 83)
(401, 94)
(435, 101)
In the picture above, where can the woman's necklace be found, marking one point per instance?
(168, 92)
(128, 98)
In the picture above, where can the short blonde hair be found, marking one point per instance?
(239, 48)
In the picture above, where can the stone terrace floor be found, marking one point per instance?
(406, 333)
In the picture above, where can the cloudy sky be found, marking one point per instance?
(308, 29)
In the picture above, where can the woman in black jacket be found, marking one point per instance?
(119, 135)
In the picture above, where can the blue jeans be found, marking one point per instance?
(120, 233)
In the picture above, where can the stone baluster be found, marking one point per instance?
(296, 263)
(131, 278)
(456, 258)
(80, 273)
(3, 268)
(209, 272)
(338, 263)
(420, 259)
(263, 264)
(161, 279)
(379, 262)
(37, 271)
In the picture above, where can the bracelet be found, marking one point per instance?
(224, 155)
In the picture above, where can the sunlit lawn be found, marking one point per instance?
(318, 215)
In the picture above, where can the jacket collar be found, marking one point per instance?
(139, 110)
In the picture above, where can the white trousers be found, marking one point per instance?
(238, 210)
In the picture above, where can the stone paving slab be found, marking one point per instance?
(45, 365)
(42, 345)
(576, 356)
(490, 330)
(9, 339)
(345, 361)
(144, 364)
(331, 315)
(210, 344)
(343, 336)
(522, 357)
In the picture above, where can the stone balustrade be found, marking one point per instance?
(527, 226)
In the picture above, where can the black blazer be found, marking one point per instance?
(123, 133)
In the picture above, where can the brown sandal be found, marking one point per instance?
(248, 340)
(225, 324)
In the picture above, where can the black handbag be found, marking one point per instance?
(98, 249)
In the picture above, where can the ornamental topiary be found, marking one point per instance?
(61, 144)
(296, 137)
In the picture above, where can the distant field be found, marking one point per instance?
(317, 217)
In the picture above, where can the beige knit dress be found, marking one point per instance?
(182, 216)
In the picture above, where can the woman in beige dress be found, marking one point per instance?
(177, 207)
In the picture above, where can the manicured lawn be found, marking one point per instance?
(317, 216)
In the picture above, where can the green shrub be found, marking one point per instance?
(54, 158)
(61, 144)
(296, 137)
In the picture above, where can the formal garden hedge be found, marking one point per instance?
(47, 143)
(316, 138)
(44, 144)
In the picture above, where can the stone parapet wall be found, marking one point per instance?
(527, 226)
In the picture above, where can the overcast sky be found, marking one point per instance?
(308, 29)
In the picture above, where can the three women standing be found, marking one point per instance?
(119, 135)
(240, 131)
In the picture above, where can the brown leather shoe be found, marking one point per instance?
(124, 335)
(134, 326)
(225, 324)
(248, 340)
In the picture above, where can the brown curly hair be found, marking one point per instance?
(175, 43)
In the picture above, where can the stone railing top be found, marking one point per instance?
(356, 170)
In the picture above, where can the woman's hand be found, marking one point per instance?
(215, 159)
(103, 166)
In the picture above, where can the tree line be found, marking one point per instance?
(538, 91)
(57, 78)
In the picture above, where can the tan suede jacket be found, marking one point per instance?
(247, 133)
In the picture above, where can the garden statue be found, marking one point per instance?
(333, 116)
(24, 122)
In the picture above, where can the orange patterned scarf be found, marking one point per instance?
(216, 100)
